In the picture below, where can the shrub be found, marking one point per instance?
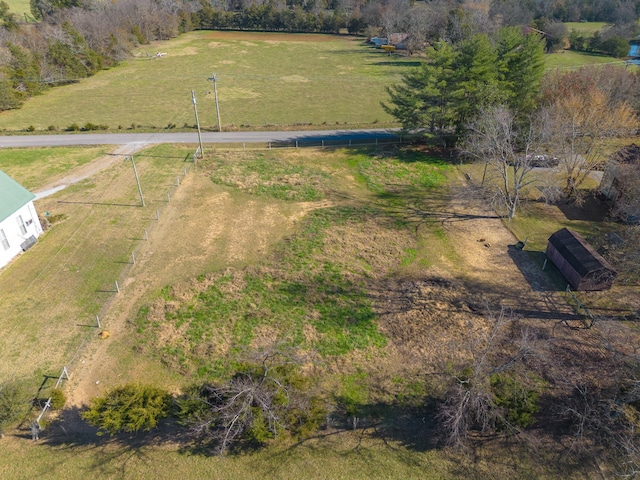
(73, 127)
(257, 404)
(58, 399)
(520, 403)
(14, 403)
(31, 128)
(52, 128)
(129, 408)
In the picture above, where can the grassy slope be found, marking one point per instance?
(278, 79)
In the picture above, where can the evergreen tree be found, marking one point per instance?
(521, 67)
(426, 97)
(448, 90)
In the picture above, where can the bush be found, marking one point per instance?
(52, 128)
(58, 399)
(520, 403)
(14, 403)
(73, 127)
(258, 403)
(88, 127)
(129, 408)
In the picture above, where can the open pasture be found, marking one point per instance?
(265, 80)
(569, 59)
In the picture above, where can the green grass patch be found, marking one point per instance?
(271, 175)
(570, 59)
(19, 7)
(588, 28)
(34, 167)
(401, 172)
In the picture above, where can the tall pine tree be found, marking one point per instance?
(456, 81)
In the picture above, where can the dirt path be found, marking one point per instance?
(87, 170)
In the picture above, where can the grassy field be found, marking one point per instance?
(262, 82)
(19, 7)
(588, 28)
(35, 167)
(314, 249)
(568, 59)
(97, 223)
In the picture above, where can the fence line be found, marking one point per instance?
(148, 230)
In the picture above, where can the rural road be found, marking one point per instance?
(310, 137)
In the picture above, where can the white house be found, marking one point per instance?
(19, 224)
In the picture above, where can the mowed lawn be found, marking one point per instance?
(264, 79)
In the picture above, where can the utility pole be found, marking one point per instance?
(135, 172)
(193, 99)
(214, 79)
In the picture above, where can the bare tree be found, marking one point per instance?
(471, 402)
(507, 149)
(580, 120)
(259, 402)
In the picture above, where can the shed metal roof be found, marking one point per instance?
(577, 252)
(13, 196)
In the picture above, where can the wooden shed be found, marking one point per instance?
(581, 265)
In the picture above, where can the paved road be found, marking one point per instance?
(314, 136)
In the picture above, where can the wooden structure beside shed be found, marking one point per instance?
(581, 265)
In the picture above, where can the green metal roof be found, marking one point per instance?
(13, 196)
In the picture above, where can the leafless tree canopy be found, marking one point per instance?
(507, 150)
(260, 402)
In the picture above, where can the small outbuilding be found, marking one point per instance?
(19, 223)
(581, 265)
(620, 183)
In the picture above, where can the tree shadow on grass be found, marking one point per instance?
(69, 429)
(591, 210)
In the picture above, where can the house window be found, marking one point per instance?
(3, 240)
(23, 228)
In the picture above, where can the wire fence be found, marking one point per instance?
(100, 322)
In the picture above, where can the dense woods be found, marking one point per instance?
(65, 40)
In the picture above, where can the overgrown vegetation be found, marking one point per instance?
(261, 401)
